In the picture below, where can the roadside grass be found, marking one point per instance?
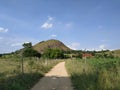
(12, 78)
(94, 74)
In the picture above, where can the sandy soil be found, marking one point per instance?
(56, 79)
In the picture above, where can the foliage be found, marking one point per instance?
(95, 74)
(104, 55)
(27, 45)
(77, 55)
(29, 52)
(0, 55)
(53, 54)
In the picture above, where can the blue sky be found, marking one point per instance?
(80, 24)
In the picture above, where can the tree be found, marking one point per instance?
(79, 55)
(0, 55)
(27, 45)
(53, 54)
(29, 51)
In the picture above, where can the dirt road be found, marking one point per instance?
(56, 79)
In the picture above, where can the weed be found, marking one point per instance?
(95, 74)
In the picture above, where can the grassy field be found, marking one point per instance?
(95, 74)
(12, 78)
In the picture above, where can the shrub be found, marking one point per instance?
(53, 54)
(29, 52)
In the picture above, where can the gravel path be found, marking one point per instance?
(56, 79)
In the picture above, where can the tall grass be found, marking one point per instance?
(12, 78)
(95, 74)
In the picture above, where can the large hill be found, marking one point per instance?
(51, 44)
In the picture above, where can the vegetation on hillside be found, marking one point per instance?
(53, 54)
(50, 44)
(28, 51)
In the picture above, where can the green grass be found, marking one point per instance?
(11, 77)
(94, 74)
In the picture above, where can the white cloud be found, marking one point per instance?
(16, 44)
(98, 48)
(50, 18)
(74, 45)
(13, 43)
(48, 24)
(69, 25)
(3, 29)
(53, 35)
(104, 40)
(102, 47)
(90, 49)
(27, 42)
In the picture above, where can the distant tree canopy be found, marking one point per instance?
(27, 45)
(0, 55)
(53, 54)
(29, 51)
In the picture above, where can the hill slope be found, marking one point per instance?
(51, 44)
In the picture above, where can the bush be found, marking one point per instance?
(0, 55)
(29, 52)
(53, 54)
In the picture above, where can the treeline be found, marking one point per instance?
(28, 51)
(96, 54)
